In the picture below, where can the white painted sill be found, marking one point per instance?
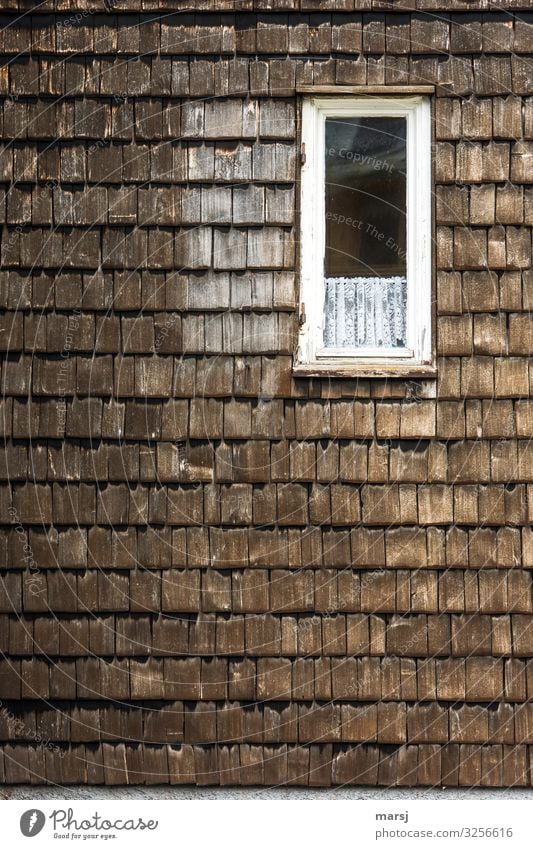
(362, 368)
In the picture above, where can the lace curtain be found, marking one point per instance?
(363, 312)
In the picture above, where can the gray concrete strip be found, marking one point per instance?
(291, 794)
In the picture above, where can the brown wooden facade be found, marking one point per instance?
(213, 571)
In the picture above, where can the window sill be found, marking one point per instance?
(330, 368)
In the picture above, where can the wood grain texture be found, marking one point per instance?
(215, 568)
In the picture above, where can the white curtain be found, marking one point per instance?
(363, 312)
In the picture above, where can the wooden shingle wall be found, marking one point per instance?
(212, 572)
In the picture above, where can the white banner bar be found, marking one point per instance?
(292, 824)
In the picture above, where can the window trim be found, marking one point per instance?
(419, 358)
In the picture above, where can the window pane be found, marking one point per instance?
(365, 197)
(365, 312)
(365, 262)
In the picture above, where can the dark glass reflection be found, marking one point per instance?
(365, 197)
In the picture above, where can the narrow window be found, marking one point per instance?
(365, 240)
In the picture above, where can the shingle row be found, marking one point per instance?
(153, 547)
(386, 723)
(319, 765)
(267, 678)
(327, 593)
(322, 33)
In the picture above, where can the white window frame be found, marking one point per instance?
(418, 351)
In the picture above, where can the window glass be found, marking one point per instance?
(365, 252)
